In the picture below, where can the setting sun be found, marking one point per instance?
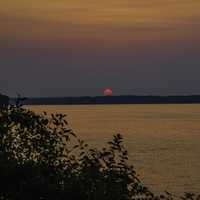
(108, 92)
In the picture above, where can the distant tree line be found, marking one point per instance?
(113, 100)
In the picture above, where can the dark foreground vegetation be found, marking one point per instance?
(4, 100)
(41, 158)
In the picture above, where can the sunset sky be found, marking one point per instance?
(76, 47)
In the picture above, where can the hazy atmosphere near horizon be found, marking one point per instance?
(76, 47)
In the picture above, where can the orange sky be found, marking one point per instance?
(119, 22)
(132, 46)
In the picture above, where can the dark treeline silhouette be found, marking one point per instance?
(4, 100)
(41, 158)
(113, 100)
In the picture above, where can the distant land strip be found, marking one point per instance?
(95, 100)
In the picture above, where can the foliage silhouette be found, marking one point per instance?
(4, 100)
(41, 158)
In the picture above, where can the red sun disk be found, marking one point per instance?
(108, 92)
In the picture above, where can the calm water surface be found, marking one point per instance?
(163, 140)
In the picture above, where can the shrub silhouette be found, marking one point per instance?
(41, 158)
(4, 100)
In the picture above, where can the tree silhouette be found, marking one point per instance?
(41, 158)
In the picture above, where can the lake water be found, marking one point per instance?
(163, 140)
